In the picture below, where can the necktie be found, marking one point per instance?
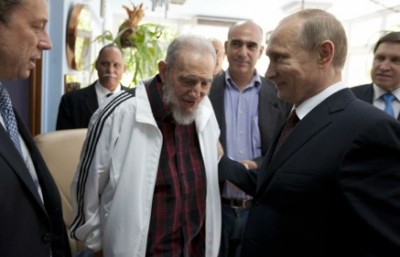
(109, 94)
(11, 126)
(9, 119)
(287, 129)
(388, 98)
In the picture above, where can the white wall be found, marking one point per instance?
(362, 34)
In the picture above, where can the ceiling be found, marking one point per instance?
(265, 12)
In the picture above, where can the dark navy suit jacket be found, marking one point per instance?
(77, 107)
(28, 227)
(333, 188)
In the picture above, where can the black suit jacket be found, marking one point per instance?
(366, 93)
(28, 227)
(77, 107)
(331, 190)
(271, 111)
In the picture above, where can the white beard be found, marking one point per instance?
(180, 116)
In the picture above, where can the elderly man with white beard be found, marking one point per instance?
(147, 182)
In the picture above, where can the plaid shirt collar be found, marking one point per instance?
(161, 111)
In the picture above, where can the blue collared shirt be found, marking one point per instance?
(243, 139)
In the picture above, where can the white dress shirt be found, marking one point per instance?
(102, 92)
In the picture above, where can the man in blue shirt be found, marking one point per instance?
(248, 111)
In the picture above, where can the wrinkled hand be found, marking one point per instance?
(249, 164)
(220, 150)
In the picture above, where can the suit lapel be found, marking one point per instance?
(268, 113)
(304, 131)
(312, 124)
(217, 101)
(368, 94)
(16, 163)
(91, 98)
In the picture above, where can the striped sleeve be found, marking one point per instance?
(92, 175)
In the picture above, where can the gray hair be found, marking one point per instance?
(7, 7)
(319, 25)
(193, 43)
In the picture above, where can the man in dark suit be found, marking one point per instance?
(31, 219)
(332, 187)
(77, 107)
(248, 110)
(384, 91)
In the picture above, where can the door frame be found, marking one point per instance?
(35, 99)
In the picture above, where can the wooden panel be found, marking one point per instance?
(35, 99)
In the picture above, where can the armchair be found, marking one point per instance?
(61, 150)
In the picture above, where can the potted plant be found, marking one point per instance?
(143, 45)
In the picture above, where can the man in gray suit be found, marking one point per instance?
(248, 111)
(384, 91)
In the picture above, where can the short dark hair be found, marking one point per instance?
(7, 7)
(391, 37)
(319, 25)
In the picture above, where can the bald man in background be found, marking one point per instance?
(220, 50)
(248, 112)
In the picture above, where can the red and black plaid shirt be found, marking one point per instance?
(177, 225)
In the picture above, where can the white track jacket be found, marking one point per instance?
(112, 190)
